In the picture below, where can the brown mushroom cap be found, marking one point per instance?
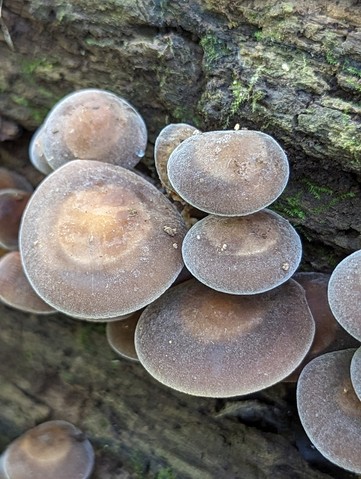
(36, 153)
(120, 336)
(245, 255)
(12, 205)
(356, 372)
(15, 289)
(11, 180)
(329, 409)
(167, 140)
(98, 241)
(54, 449)
(206, 343)
(344, 294)
(229, 173)
(94, 125)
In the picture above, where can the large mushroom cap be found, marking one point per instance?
(329, 409)
(245, 255)
(202, 342)
(356, 372)
(230, 173)
(54, 449)
(98, 241)
(94, 125)
(344, 294)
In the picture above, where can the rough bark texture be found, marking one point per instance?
(291, 69)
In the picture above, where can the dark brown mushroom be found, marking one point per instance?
(12, 180)
(54, 449)
(206, 343)
(344, 294)
(329, 409)
(12, 205)
(98, 241)
(245, 255)
(94, 125)
(120, 335)
(356, 372)
(229, 173)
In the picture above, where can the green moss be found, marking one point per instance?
(291, 206)
(214, 48)
(37, 113)
(245, 93)
(99, 42)
(165, 473)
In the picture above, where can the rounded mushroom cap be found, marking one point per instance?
(206, 343)
(36, 153)
(98, 241)
(167, 140)
(15, 289)
(329, 409)
(245, 255)
(344, 294)
(120, 336)
(11, 180)
(229, 173)
(54, 449)
(94, 125)
(12, 205)
(356, 372)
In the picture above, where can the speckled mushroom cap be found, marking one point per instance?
(229, 173)
(54, 449)
(98, 241)
(206, 343)
(329, 409)
(12, 205)
(94, 124)
(344, 294)
(15, 289)
(356, 372)
(36, 153)
(245, 255)
(168, 139)
(120, 336)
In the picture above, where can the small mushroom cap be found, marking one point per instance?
(245, 255)
(329, 409)
(356, 372)
(344, 294)
(229, 173)
(36, 153)
(15, 289)
(12, 205)
(108, 240)
(206, 343)
(94, 125)
(54, 449)
(120, 336)
(168, 139)
(11, 180)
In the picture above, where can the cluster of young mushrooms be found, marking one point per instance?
(99, 242)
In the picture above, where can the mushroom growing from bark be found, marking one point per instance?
(36, 153)
(12, 205)
(120, 335)
(54, 449)
(11, 180)
(98, 241)
(356, 372)
(206, 343)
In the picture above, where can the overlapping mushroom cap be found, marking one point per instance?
(207, 343)
(230, 173)
(356, 372)
(98, 241)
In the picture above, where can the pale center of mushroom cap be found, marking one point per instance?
(101, 225)
(220, 318)
(91, 130)
(51, 444)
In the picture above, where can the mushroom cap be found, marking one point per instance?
(229, 173)
(206, 343)
(356, 372)
(12, 180)
(167, 140)
(94, 124)
(344, 294)
(36, 153)
(120, 336)
(329, 409)
(12, 205)
(244, 255)
(15, 289)
(98, 241)
(54, 449)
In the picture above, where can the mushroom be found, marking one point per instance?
(15, 289)
(93, 124)
(344, 294)
(11, 180)
(120, 335)
(54, 449)
(98, 241)
(36, 153)
(245, 255)
(329, 409)
(12, 205)
(206, 343)
(229, 173)
(356, 372)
